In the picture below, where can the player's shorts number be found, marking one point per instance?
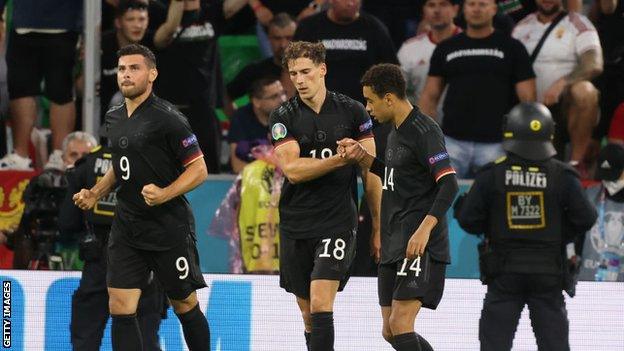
(339, 247)
(124, 165)
(415, 267)
(183, 267)
(325, 153)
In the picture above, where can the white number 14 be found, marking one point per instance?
(415, 267)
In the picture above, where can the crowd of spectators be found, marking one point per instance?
(578, 70)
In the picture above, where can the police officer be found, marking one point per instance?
(529, 206)
(90, 301)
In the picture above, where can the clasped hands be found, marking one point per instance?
(351, 150)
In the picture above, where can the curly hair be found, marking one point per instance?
(304, 49)
(385, 78)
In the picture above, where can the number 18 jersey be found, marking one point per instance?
(325, 205)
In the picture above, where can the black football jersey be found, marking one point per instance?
(415, 159)
(153, 145)
(326, 205)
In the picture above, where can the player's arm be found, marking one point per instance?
(195, 173)
(302, 169)
(86, 198)
(372, 186)
(430, 96)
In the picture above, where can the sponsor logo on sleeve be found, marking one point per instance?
(278, 131)
(191, 140)
(366, 126)
(439, 157)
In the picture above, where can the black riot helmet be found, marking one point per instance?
(528, 131)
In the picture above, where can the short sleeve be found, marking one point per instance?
(522, 67)
(587, 37)
(433, 154)
(363, 122)
(182, 141)
(436, 66)
(280, 128)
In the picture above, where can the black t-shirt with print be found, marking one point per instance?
(152, 146)
(481, 75)
(351, 49)
(325, 205)
(190, 64)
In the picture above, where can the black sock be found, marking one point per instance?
(195, 328)
(322, 338)
(307, 337)
(410, 342)
(125, 333)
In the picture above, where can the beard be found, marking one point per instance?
(549, 12)
(133, 91)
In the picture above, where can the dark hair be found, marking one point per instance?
(257, 86)
(128, 5)
(281, 20)
(138, 49)
(304, 49)
(385, 78)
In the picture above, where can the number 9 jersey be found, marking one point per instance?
(152, 146)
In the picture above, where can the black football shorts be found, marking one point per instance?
(418, 279)
(177, 269)
(326, 257)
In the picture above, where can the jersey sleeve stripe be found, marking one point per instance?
(444, 172)
(365, 136)
(284, 142)
(193, 158)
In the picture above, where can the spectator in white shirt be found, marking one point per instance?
(569, 59)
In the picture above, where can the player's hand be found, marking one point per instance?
(553, 94)
(153, 195)
(351, 150)
(417, 243)
(375, 246)
(85, 199)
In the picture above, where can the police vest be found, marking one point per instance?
(98, 163)
(526, 222)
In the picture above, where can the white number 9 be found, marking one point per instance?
(124, 164)
(182, 266)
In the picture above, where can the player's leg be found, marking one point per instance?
(332, 261)
(296, 263)
(402, 318)
(418, 283)
(502, 306)
(150, 314)
(127, 273)
(304, 307)
(179, 272)
(549, 317)
(322, 296)
(386, 276)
